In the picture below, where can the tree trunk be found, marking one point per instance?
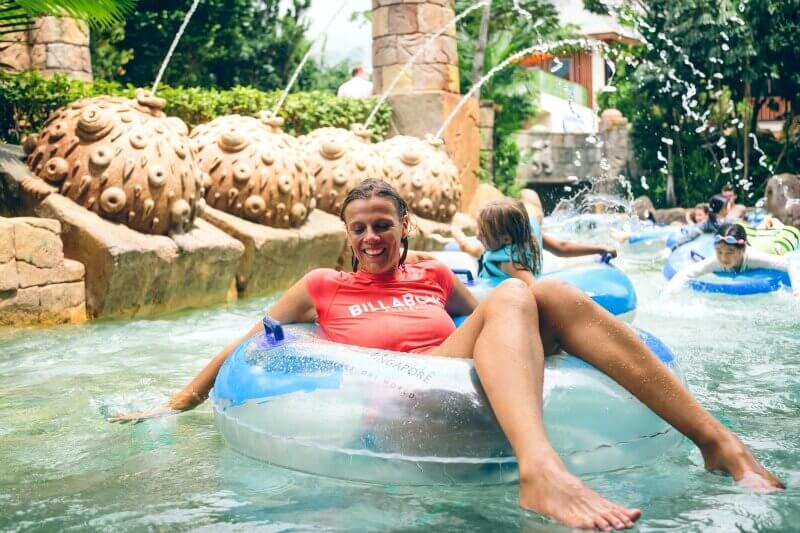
(480, 47)
(671, 201)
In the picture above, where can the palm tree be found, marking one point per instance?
(18, 15)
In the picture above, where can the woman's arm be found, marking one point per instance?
(519, 273)
(475, 249)
(563, 248)
(461, 301)
(294, 306)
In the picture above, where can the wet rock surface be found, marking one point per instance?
(37, 284)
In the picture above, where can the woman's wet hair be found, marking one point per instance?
(736, 231)
(376, 187)
(716, 204)
(508, 217)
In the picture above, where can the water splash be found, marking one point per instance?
(174, 44)
(418, 53)
(538, 48)
(303, 61)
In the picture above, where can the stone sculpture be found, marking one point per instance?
(123, 159)
(339, 160)
(427, 179)
(255, 170)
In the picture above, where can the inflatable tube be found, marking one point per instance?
(774, 241)
(605, 284)
(756, 281)
(378, 416)
(452, 246)
(683, 235)
(659, 234)
(756, 216)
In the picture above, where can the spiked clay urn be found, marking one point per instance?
(123, 159)
(255, 170)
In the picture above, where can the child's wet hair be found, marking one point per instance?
(508, 217)
(736, 231)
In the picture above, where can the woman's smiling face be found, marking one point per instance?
(374, 231)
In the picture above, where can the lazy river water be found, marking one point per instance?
(64, 467)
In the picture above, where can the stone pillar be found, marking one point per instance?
(429, 90)
(54, 44)
(486, 132)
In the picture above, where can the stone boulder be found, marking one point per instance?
(782, 196)
(133, 274)
(274, 258)
(674, 214)
(38, 286)
(642, 206)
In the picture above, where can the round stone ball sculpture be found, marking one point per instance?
(123, 159)
(427, 178)
(339, 160)
(255, 170)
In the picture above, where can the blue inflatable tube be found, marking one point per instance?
(683, 235)
(655, 234)
(756, 281)
(605, 284)
(308, 404)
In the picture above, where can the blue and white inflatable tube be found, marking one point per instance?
(756, 281)
(652, 239)
(387, 417)
(602, 282)
(683, 235)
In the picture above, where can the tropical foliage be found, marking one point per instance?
(512, 90)
(226, 43)
(694, 88)
(28, 99)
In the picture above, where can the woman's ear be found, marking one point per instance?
(406, 224)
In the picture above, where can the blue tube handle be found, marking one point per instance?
(272, 329)
(696, 257)
(466, 273)
(606, 258)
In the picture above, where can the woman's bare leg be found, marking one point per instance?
(509, 360)
(586, 330)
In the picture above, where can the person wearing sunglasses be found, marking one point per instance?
(732, 254)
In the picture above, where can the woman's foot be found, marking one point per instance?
(552, 491)
(732, 456)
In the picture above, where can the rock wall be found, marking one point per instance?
(37, 284)
(55, 44)
(559, 158)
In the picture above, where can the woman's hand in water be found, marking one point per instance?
(177, 404)
(140, 416)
